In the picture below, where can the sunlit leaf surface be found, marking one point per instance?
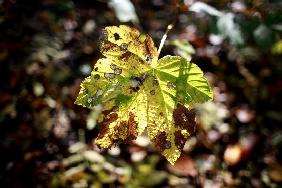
(137, 91)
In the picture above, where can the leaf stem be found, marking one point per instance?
(169, 27)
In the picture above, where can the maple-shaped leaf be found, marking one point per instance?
(136, 90)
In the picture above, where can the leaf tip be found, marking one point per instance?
(172, 155)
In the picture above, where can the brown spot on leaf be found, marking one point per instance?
(115, 108)
(134, 89)
(116, 36)
(106, 46)
(124, 131)
(134, 33)
(107, 112)
(125, 56)
(152, 92)
(179, 139)
(184, 118)
(96, 76)
(161, 142)
(150, 47)
(120, 131)
(155, 82)
(148, 59)
(132, 128)
(104, 126)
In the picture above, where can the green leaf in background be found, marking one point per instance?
(225, 22)
(263, 36)
(277, 47)
(201, 7)
(230, 29)
(184, 48)
(124, 10)
(137, 91)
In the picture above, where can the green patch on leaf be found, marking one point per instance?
(120, 99)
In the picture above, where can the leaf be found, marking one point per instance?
(264, 37)
(225, 22)
(277, 47)
(201, 7)
(184, 48)
(230, 29)
(124, 10)
(136, 90)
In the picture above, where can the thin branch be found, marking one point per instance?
(169, 27)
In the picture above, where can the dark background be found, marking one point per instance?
(48, 47)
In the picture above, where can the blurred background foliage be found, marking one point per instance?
(47, 47)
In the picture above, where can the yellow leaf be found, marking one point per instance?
(136, 90)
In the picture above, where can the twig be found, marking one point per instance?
(169, 27)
